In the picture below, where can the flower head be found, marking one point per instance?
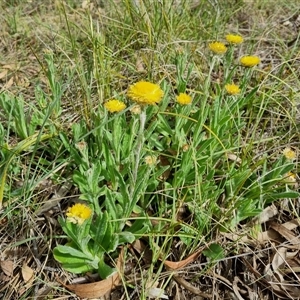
(250, 61)
(217, 47)
(184, 99)
(114, 105)
(150, 160)
(234, 39)
(185, 147)
(78, 213)
(289, 153)
(144, 92)
(81, 146)
(232, 89)
(136, 109)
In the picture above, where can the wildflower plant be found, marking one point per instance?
(122, 189)
(89, 241)
(189, 139)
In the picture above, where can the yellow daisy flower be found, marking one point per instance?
(217, 47)
(184, 99)
(144, 92)
(234, 38)
(78, 213)
(114, 105)
(232, 89)
(250, 61)
(289, 153)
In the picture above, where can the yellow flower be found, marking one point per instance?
(78, 213)
(184, 99)
(234, 39)
(217, 47)
(150, 160)
(144, 92)
(114, 105)
(250, 61)
(289, 153)
(232, 89)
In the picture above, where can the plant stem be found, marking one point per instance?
(140, 142)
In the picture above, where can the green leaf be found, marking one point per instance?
(274, 196)
(214, 252)
(117, 136)
(128, 139)
(110, 204)
(101, 224)
(79, 234)
(81, 181)
(104, 270)
(139, 227)
(123, 190)
(78, 268)
(70, 256)
(64, 257)
(70, 230)
(163, 125)
(149, 131)
(275, 175)
(93, 176)
(126, 237)
(107, 243)
(79, 130)
(110, 172)
(71, 252)
(113, 243)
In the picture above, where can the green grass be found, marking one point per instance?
(215, 164)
